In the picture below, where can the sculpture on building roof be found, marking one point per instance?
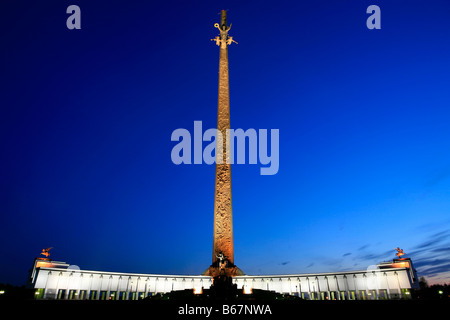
(46, 252)
(399, 252)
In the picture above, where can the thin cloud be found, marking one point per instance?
(435, 271)
(441, 250)
(431, 257)
(434, 240)
(437, 178)
(375, 256)
(363, 247)
(346, 254)
(430, 262)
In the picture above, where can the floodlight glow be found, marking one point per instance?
(248, 290)
(198, 290)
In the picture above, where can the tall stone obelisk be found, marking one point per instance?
(223, 251)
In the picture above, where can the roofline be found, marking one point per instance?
(121, 273)
(320, 274)
(203, 277)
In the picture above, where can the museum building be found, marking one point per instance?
(59, 280)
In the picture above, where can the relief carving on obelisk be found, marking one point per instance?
(223, 251)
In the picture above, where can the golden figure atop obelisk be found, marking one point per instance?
(223, 251)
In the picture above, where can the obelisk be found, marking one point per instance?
(223, 251)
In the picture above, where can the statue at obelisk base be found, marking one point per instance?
(222, 268)
(222, 272)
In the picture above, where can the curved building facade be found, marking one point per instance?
(59, 280)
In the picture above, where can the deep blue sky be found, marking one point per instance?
(86, 118)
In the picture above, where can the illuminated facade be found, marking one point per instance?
(58, 280)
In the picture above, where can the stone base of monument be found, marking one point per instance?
(230, 271)
(222, 271)
(221, 293)
(223, 288)
(223, 267)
